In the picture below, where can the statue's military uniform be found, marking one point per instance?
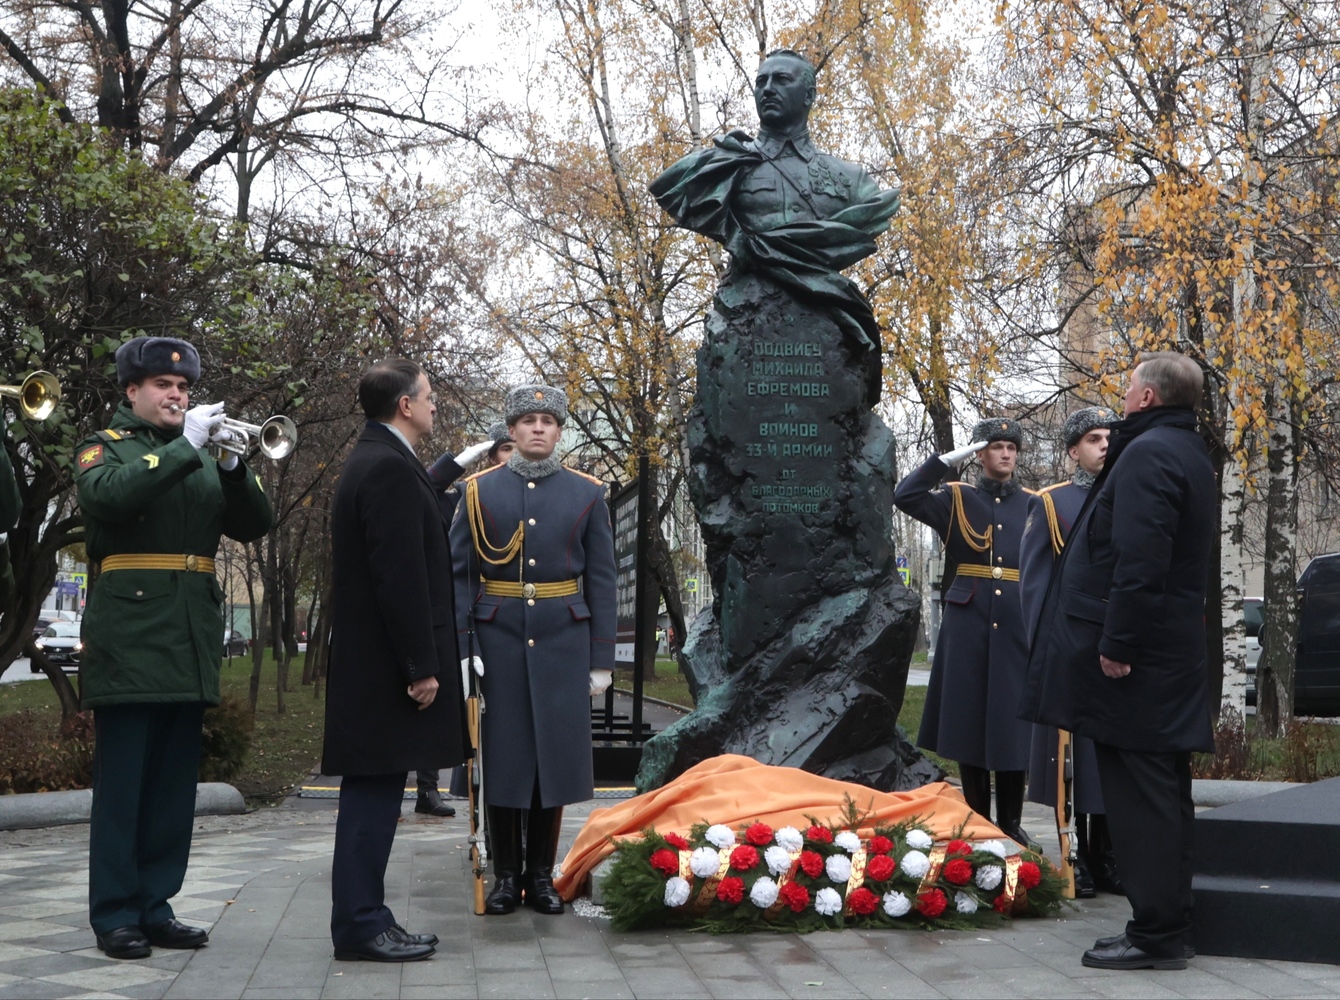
(154, 509)
(980, 657)
(797, 183)
(544, 610)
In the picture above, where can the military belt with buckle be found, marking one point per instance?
(988, 572)
(153, 560)
(506, 588)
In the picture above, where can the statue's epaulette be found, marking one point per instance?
(111, 435)
(482, 472)
(598, 482)
(1031, 493)
(955, 482)
(1053, 486)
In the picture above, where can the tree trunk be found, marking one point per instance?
(257, 629)
(65, 694)
(1275, 669)
(1232, 627)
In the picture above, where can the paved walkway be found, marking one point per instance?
(262, 884)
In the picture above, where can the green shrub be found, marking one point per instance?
(226, 740)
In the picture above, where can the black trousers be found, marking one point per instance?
(364, 831)
(1151, 819)
(146, 761)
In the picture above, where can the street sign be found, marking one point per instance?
(906, 575)
(691, 585)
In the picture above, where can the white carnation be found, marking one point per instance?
(988, 877)
(848, 841)
(676, 891)
(777, 860)
(896, 904)
(919, 839)
(704, 862)
(828, 902)
(838, 867)
(763, 893)
(915, 864)
(789, 839)
(965, 902)
(993, 847)
(720, 836)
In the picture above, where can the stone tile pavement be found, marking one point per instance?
(261, 882)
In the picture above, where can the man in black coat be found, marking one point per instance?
(980, 656)
(1120, 651)
(394, 697)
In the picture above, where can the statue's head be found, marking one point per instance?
(784, 90)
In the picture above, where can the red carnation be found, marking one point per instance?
(666, 862)
(676, 841)
(731, 890)
(759, 834)
(931, 903)
(1001, 904)
(794, 895)
(820, 834)
(958, 871)
(743, 858)
(811, 863)
(1029, 875)
(880, 845)
(958, 847)
(863, 901)
(880, 867)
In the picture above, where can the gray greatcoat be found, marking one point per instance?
(978, 673)
(1037, 555)
(538, 652)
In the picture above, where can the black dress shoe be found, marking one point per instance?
(172, 933)
(385, 947)
(124, 942)
(504, 897)
(408, 938)
(1108, 942)
(431, 804)
(541, 896)
(1084, 888)
(1121, 954)
(1020, 836)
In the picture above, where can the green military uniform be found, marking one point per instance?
(154, 508)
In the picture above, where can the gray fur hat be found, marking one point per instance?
(499, 433)
(998, 429)
(1082, 421)
(536, 399)
(144, 357)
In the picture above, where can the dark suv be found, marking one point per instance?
(1316, 684)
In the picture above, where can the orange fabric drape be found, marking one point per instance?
(734, 790)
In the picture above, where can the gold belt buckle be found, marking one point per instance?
(191, 563)
(528, 590)
(996, 572)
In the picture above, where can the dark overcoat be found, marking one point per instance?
(978, 672)
(1047, 523)
(538, 652)
(394, 618)
(156, 635)
(1130, 585)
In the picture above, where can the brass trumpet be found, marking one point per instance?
(37, 395)
(276, 438)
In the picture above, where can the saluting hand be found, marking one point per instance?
(1114, 669)
(423, 691)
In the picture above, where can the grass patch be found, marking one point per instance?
(914, 704)
(668, 685)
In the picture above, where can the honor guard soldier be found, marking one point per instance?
(154, 504)
(535, 579)
(1050, 516)
(982, 652)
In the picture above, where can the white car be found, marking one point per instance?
(61, 643)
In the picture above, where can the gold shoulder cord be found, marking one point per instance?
(977, 541)
(1053, 523)
(481, 539)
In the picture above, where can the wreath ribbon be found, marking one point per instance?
(857, 877)
(937, 859)
(709, 890)
(772, 911)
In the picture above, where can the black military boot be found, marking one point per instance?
(1084, 888)
(1010, 808)
(976, 789)
(430, 802)
(1103, 860)
(542, 828)
(504, 835)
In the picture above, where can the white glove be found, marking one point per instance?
(958, 455)
(228, 461)
(200, 421)
(227, 444)
(465, 670)
(468, 455)
(600, 680)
